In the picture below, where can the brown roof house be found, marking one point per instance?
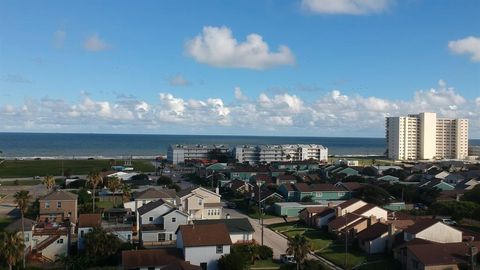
(204, 244)
(317, 216)
(434, 256)
(377, 238)
(167, 258)
(58, 206)
(86, 223)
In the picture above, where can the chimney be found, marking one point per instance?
(217, 190)
(391, 235)
(329, 205)
(338, 211)
(372, 220)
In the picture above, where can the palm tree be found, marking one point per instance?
(114, 184)
(22, 199)
(49, 182)
(94, 179)
(299, 247)
(126, 192)
(12, 248)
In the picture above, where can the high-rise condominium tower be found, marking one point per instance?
(424, 136)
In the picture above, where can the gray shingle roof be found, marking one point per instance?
(150, 206)
(60, 195)
(153, 193)
(234, 225)
(17, 225)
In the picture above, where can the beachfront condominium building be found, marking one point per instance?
(179, 153)
(280, 152)
(424, 136)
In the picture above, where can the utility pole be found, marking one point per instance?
(260, 217)
(346, 240)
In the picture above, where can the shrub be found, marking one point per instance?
(265, 252)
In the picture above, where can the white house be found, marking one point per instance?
(29, 226)
(240, 229)
(349, 206)
(86, 223)
(432, 230)
(200, 203)
(376, 238)
(157, 221)
(204, 244)
(151, 194)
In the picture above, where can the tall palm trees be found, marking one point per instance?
(49, 182)
(12, 248)
(126, 192)
(299, 247)
(114, 184)
(94, 179)
(22, 199)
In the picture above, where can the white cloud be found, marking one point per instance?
(59, 37)
(469, 45)
(239, 94)
(95, 44)
(352, 7)
(178, 80)
(217, 47)
(330, 113)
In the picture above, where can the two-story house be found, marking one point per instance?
(240, 229)
(86, 223)
(157, 221)
(58, 206)
(200, 203)
(204, 244)
(317, 192)
(151, 194)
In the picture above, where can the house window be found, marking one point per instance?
(129, 237)
(59, 204)
(60, 241)
(203, 266)
(174, 219)
(82, 233)
(200, 201)
(340, 194)
(219, 249)
(161, 237)
(150, 218)
(27, 237)
(318, 194)
(47, 204)
(415, 264)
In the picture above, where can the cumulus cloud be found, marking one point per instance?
(331, 113)
(469, 45)
(351, 7)
(178, 80)
(239, 94)
(59, 37)
(217, 47)
(94, 43)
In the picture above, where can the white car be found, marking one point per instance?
(448, 221)
(288, 259)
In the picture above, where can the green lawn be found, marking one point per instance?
(31, 168)
(109, 204)
(318, 239)
(336, 254)
(264, 264)
(21, 183)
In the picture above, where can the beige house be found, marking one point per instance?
(200, 203)
(58, 206)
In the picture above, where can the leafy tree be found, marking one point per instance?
(100, 246)
(233, 261)
(83, 196)
(401, 174)
(164, 180)
(48, 182)
(114, 184)
(472, 195)
(374, 194)
(94, 179)
(299, 247)
(140, 177)
(175, 186)
(73, 262)
(265, 252)
(12, 248)
(250, 251)
(126, 192)
(355, 178)
(369, 171)
(67, 173)
(22, 199)
(457, 210)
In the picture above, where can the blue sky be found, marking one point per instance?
(166, 66)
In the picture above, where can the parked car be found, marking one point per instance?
(288, 259)
(420, 206)
(448, 221)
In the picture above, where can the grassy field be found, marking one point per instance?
(318, 239)
(31, 168)
(265, 264)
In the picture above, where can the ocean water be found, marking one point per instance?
(25, 145)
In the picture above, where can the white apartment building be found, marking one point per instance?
(280, 152)
(424, 136)
(179, 153)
